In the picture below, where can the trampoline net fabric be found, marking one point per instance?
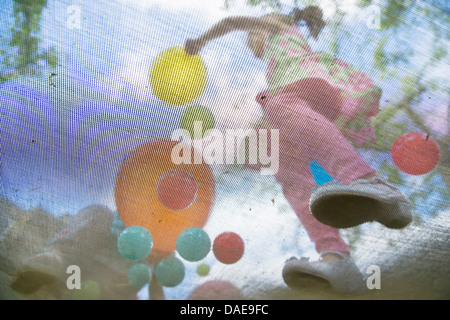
(168, 149)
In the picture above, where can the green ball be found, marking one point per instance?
(203, 269)
(193, 244)
(90, 290)
(139, 275)
(170, 272)
(135, 243)
(197, 113)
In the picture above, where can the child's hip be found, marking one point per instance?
(318, 94)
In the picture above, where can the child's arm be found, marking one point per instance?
(249, 24)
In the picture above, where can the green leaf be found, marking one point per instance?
(25, 54)
(363, 3)
(384, 115)
(393, 13)
(392, 173)
(409, 84)
(387, 132)
(439, 53)
(379, 55)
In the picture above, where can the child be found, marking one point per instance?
(318, 103)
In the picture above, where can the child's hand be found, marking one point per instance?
(193, 46)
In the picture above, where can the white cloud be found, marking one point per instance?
(133, 74)
(438, 120)
(234, 106)
(134, 62)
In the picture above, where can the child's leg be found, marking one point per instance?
(308, 135)
(325, 238)
(305, 135)
(304, 131)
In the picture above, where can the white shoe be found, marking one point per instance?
(364, 200)
(341, 275)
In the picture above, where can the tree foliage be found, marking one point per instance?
(20, 52)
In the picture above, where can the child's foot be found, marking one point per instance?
(334, 270)
(364, 200)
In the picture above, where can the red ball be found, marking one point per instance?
(176, 189)
(415, 153)
(228, 247)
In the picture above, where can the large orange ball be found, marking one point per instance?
(165, 198)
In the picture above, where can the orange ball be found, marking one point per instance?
(165, 198)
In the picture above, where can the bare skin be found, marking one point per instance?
(257, 29)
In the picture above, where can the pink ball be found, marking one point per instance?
(216, 290)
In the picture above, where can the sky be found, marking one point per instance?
(103, 98)
(62, 146)
(107, 61)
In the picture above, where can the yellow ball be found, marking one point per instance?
(178, 78)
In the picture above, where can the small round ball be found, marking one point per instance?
(200, 114)
(90, 290)
(193, 244)
(176, 189)
(228, 247)
(135, 243)
(203, 269)
(139, 275)
(170, 272)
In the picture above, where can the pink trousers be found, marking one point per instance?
(307, 135)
